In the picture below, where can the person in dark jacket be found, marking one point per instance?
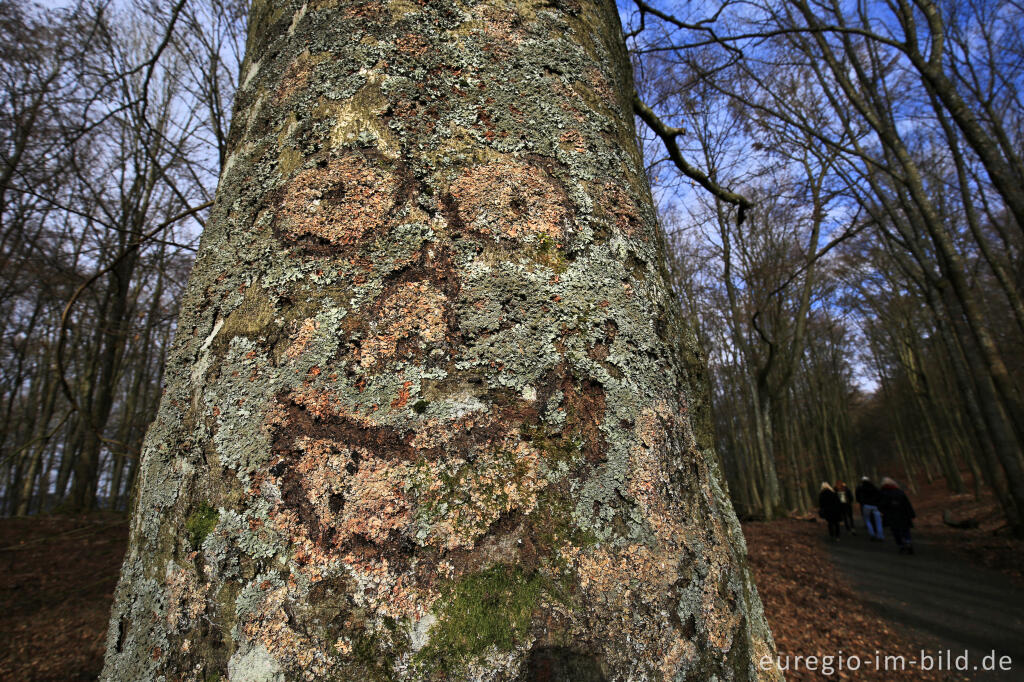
(846, 505)
(868, 498)
(830, 510)
(898, 514)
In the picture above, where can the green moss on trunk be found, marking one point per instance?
(478, 613)
(200, 523)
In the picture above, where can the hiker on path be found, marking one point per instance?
(898, 514)
(830, 509)
(868, 497)
(846, 505)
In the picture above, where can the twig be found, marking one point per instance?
(668, 136)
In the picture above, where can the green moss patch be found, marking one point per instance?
(200, 524)
(548, 252)
(555, 448)
(480, 611)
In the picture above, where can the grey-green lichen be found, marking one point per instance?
(431, 407)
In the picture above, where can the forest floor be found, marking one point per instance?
(57, 577)
(963, 589)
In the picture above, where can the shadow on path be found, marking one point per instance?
(944, 602)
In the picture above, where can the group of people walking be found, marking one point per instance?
(887, 506)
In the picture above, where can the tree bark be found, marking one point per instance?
(432, 411)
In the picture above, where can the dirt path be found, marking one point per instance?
(943, 601)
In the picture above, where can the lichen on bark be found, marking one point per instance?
(431, 412)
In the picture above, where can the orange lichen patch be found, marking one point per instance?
(413, 45)
(372, 11)
(572, 140)
(305, 334)
(388, 590)
(458, 501)
(319, 404)
(648, 478)
(414, 312)
(502, 23)
(186, 598)
(376, 508)
(599, 85)
(403, 396)
(269, 626)
(621, 207)
(438, 433)
(628, 586)
(620, 576)
(344, 510)
(296, 76)
(353, 498)
(342, 500)
(340, 203)
(350, 492)
(510, 199)
(320, 467)
(502, 28)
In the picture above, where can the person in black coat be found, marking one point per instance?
(846, 504)
(869, 499)
(830, 509)
(897, 513)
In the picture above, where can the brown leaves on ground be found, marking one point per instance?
(57, 578)
(990, 544)
(811, 609)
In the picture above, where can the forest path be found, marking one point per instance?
(943, 601)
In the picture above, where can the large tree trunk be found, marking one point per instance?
(432, 412)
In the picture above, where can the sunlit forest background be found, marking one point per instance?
(841, 188)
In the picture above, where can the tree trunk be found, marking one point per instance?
(432, 411)
(113, 336)
(28, 483)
